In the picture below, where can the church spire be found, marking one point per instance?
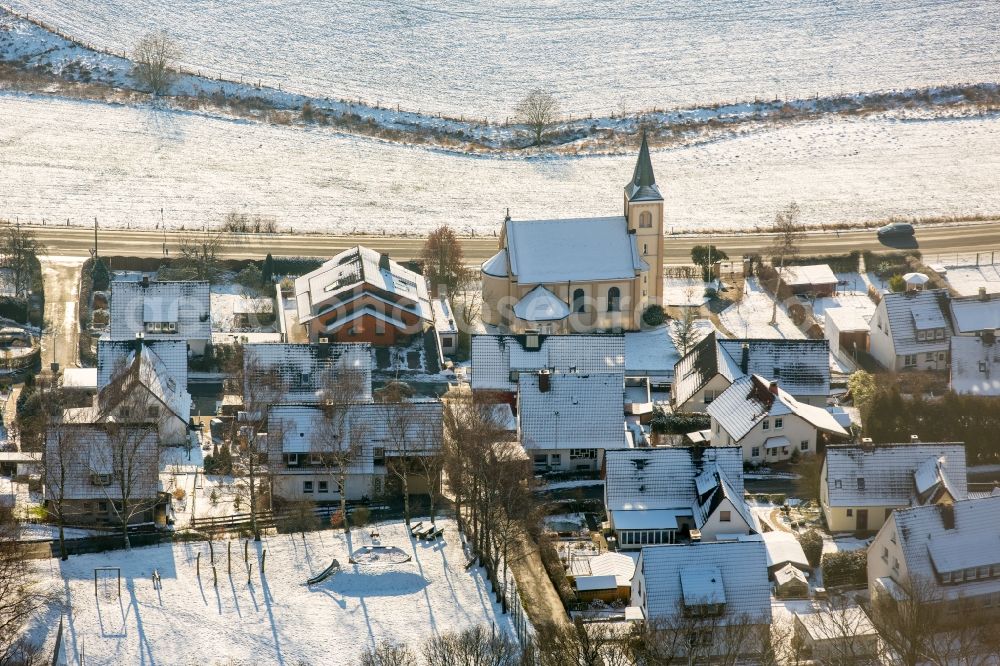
(643, 183)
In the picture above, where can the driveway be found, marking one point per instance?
(61, 277)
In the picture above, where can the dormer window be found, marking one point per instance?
(939, 334)
(837, 484)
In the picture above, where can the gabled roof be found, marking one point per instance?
(975, 366)
(971, 315)
(576, 412)
(94, 452)
(540, 304)
(801, 276)
(186, 303)
(584, 249)
(741, 565)
(651, 352)
(113, 354)
(361, 266)
(643, 187)
(945, 539)
(145, 368)
(303, 369)
(911, 311)
(495, 357)
(749, 400)
(888, 472)
(782, 548)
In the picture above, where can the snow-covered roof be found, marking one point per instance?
(782, 548)
(808, 275)
(576, 411)
(93, 452)
(913, 311)
(186, 303)
(497, 359)
(971, 315)
(836, 623)
(147, 369)
(540, 304)
(664, 477)
(846, 318)
(885, 475)
(789, 574)
(81, 378)
(650, 353)
(613, 564)
(303, 369)
(444, 320)
(915, 278)
(975, 366)
(585, 249)
(496, 265)
(691, 574)
(591, 583)
(940, 539)
(114, 354)
(749, 400)
(322, 289)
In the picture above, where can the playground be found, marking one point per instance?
(189, 602)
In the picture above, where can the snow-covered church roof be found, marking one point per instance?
(540, 304)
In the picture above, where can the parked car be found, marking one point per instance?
(895, 229)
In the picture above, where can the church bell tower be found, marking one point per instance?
(644, 213)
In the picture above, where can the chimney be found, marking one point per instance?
(773, 388)
(867, 444)
(989, 337)
(745, 358)
(544, 381)
(914, 439)
(982, 294)
(383, 262)
(145, 281)
(531, 340)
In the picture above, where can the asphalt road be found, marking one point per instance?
(934, 240)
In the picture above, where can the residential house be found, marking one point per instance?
(363, 296)
(911, 330)
(975, 365)
(667, 495)
(861, 485)
(304, 445)
(816, 280)
(847, 330)
(948, 554)
(89, 476)
(802, 367)
(717, 591)
(767, 423)
(578, 275)
(567, 421)
(114, 355)
(977, 315)
(162, 310)
(303, 372)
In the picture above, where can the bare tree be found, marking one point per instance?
(339, 437)
(411, 431)
(444, 264)
(538, 110)
(477, 646)
(63, 449)
(388, 653)
(580, 644)
(19, 250)
(684, 637)
(199, 258)
(262, 387)
(788, 234)
(154, 57)
(20, 597)
(847, 630)
(129, 461)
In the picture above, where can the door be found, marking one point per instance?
(862, 520)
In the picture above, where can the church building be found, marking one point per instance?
(583, 274)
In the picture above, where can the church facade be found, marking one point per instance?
(584, 274)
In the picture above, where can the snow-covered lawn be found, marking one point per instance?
(276, 618)
(751, 317)
(681, 291)
(481, 57)
(65, 159)
(837, 543)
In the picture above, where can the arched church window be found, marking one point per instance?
(645, 220)
(614, 299)
(578, 300)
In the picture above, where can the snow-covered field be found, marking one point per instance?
(751, 317)
(64, 159)
(478, 58)
(277, 618)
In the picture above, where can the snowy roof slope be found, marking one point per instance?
(540, 304)
(808, 275)
(187, 303)
(783, 547)
(664, 478)
(975, 366)
(802, 367)
(495, 357)
(911, 311)
(577, 411)
(595, 248)
(887, 472)
(650, 352)
(971, 315)
(112, 354)
(303, 368)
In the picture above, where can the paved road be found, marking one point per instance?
(77, 241)
(61, 277)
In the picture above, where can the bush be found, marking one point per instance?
(100, 275)
(897, 283)
(812, 546)
(678, 423)
(556, 571)
(654, 315)
(250, 277)
(710, 292)
(847, 568)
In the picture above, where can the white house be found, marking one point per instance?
(946, 554)
(802, 367)
(861, 485)
(162, 311)
(910, 331)
(567, 421)
(665, 495)
(303, 371)
(975, 365)
(768, 423)
(977, 315)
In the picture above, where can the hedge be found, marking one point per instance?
(812, 546)
(847, 568)
(679, 423)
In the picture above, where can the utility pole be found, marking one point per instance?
(93, 252)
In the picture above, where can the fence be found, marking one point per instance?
(962, 259)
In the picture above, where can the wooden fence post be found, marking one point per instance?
(197, 565)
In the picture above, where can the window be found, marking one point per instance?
(921, 335)
(324, 486)
(910, 360)
(307, 486)
(755, 452)
(941, 356)
(583, 454)
(102, 507)
(645, 249)
(447, 341)
(100, 479)
(766, 425)
(930, 356)
(645, 220)
(315, 459)
(153, 411)
(578, 304)
(555, 458)
(292, 459)
(718, 427)
(614, 299)
(837, 484)
(885, 553)
(939, 334)
(710, 396)
(861, 483)
(779, 423)
(804, 445)
(725, 516)
(541, 459)
(378, 455)
(850, 513)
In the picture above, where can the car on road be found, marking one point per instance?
(895, 229)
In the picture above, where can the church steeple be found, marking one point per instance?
(643, 187)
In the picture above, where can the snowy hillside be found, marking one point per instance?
(477, 58)
(70, 159)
